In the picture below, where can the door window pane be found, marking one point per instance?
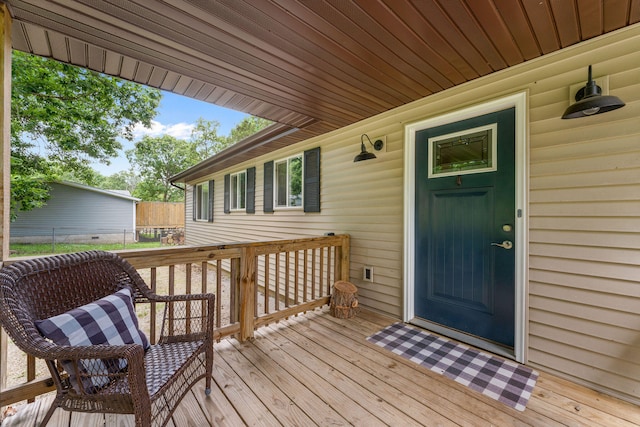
(460, 153)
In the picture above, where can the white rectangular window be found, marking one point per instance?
(238, 196)
(288, 179)
(202, 201)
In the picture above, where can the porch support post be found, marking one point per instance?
(5, 156)
(247, 292)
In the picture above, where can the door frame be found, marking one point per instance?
(519, 101)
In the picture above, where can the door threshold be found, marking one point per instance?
(473, 340)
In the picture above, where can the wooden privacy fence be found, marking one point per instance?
(255, 283)
(159, 215)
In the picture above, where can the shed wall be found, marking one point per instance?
(584, 209)
(77, 212)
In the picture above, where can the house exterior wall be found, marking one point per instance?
(76, 215)
(583, 290)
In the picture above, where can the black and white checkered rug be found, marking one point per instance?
(503, 380)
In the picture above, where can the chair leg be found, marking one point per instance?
(208, 369)
(54, 405)
(143, 417)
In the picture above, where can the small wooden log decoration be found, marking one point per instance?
(343, 303)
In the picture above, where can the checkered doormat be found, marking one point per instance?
(503, 380)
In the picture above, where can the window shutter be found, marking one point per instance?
(268, 187)
(211, 183)
(312, 180)
(251, 190)
(194, 202)
(227, 184)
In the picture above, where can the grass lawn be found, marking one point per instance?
(33, 249)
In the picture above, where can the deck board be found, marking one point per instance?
(314, 369)
(292, 389)
(327, 395)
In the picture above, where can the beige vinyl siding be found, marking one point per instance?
(584, 229)
(583, 318)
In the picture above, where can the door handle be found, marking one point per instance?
(507, 244)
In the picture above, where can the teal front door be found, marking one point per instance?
(465, 220)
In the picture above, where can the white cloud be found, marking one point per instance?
(177, 130)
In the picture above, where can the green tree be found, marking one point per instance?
(208, 142)
(206, 139)
(123, 180)
(63, 118)
(247, 127)
(157, 160)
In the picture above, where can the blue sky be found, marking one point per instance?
(176, 117)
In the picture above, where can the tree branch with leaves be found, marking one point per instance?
(63, 118)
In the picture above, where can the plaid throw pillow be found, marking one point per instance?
(110, 320)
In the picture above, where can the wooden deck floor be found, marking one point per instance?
(318, 370)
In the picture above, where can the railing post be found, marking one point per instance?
(247, 292)
(343, 266)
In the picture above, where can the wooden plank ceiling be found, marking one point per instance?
(314, 65)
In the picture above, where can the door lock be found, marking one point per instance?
(507, 244)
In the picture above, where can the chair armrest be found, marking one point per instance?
(187, 317)
(99, 368)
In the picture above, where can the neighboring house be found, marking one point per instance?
(78, 213)
(572, 211)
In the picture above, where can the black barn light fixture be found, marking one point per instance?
(590, 101)
(364, 154)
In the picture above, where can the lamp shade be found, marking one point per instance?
(364, 155)
(592, 105)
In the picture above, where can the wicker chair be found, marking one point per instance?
(154, 381)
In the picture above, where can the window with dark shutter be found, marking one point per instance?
(268, 187)
(311, 193)
(251, 190)
(227, 181)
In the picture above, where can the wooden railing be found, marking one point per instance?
(255, 283)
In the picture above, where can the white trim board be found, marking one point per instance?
(519, 101)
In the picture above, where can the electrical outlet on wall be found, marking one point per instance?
(367, 273)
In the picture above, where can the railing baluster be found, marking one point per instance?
(296, 281)
(234, 291)
(255, 289)
(172, 291)
(31, 371)
(187, 290)
(286, 279)
(277, 282)
(218, 293)
(267, 285)
(153, 309)
(313, 273)
(305, 262)
(321, 271)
